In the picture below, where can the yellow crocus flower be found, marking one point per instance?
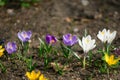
(42, 77)
(1, 51)
(33, 75)
(111, 59)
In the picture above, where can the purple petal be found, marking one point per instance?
(24, 36)
(50, 39)
(68, 43)
(20, 37)
(54, 38)
(74, 39)
(69, 40)
(67, 36)
(11, 47)
(29, 34)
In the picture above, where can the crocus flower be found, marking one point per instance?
(33, 75)
(102, 35)
(50, 39)
(106, 36)
(42, 77)
(69, 39)
(24, 36)
(11, 47)
(111, 36)
(87, 43)
(110, 60)
(1, 51)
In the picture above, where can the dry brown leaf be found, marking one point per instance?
(67, 19)
(84, 20)
(55, 66)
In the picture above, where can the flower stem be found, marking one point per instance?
(108, 48)
(105, 47)
(84, 62)
(108, 72)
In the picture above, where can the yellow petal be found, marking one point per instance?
(112, 57)
(1, 54)
(42, 77)
(33, 73)
(106, 57)
(118, 58)
(112, 60)
(37, 74)
(28, 75)
(2, 50)
(115, 61)
(0, 47)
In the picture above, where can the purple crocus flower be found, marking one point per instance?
(69, 39)
(24, 36)
(11, 47)
(50, 39)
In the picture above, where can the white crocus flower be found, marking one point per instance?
(87, 43)
(111, 36)
(102, 35)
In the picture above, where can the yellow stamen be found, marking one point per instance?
(70, 38)
(10, 46)
(52, 41)
(102, 33)
(87, 41)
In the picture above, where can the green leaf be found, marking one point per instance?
(25, 5)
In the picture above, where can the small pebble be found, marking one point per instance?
(85, 2)
(75, 30)
(10, 11)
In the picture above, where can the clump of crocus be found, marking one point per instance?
(46, 48)
(35, 75)
(50, 39)
(1, 51)
(107, 37)
(87, 44)
(24, 36)
(70, 39)
(11, 47)
(110, 59)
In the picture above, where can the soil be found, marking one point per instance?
(58, 17)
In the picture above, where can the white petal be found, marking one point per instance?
(102, 36)
(80, 42)
(111, 36)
